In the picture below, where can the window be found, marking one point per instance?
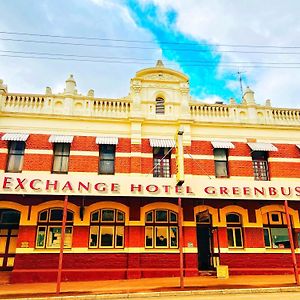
(160, 106)
(234, 231)
(275, 230)
(107, 229)
(15, 156)
(161, 230)
(221, 162)
(260, 165)
(107, 159)
(61, 158)
(49, 229)
(161, 162)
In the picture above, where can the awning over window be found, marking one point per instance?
(222, 145)
(262, 147)
(170, 143)
(21, 137)
(61, 138)
(107, 140)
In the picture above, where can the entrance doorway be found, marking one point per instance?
(204, 241)
(9, 228)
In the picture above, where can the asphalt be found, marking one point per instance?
(148, 287)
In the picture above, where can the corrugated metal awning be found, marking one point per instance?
(169, 143)
(21, 137)
(222, 145)
(107, 140)
(61, 138)
(262, 147)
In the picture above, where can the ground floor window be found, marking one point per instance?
(107, 229)
(234, 231)
(161, 230)
(49, 229)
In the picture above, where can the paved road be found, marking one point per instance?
(264, 296)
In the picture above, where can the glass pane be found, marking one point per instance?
(149, 236)
(69, 216)
(43, 216)
(275, 217)
(3, 244)
(62, 149)
(232, 218)
(173, 217)
(107, 234)
(40, 237)
(68, 237)
(161, 216)
(56, 215)
(10, 217)
(267, 237)
(94, 235)
(64, 164)
(107, 167)
(16, 147)
(161, 236)
(174, 237)
(54, 236)
(107, 151)
(221, 169)
(119, 236)
(108, 215)
(220, 154)
(95, 216)
(230, 237)
(238, 237)
(280, 238)
(15, 163)
(149, 216)
(120, 216)
(12, 245)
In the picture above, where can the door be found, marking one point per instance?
(204, 241)
(9, 227)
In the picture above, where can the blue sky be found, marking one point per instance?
(194, 26)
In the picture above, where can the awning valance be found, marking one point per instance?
(20, 137)
(222, 145)
(107, 140)
(61, 138)
(262, 147)
(169, 143)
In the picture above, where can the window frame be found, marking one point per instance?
(101, 224)
(260, 165)
(162, 162)
(13, 154)
(223, 161)
(61, 157)
(111, 159)
(48, 224)
(234, 226)
(160, 106)
(154, 225)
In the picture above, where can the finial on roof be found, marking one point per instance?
(249, 96)
(159, 63)
(70, 85)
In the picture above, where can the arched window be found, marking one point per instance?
(49, 228)
(107, 229)
(234, 231)
(275, 230)
(160, 106)
(161, 230)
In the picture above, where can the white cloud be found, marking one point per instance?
(256, 22)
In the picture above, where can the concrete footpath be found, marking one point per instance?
(150, 287)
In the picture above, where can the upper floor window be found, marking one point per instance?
(107, 159)
(234, 231)
(161, 162)
(275, 230)
(15, 157)
(61, 153)
(160, 106)
(260, 165)
(161, 230)
(50, 226)
(107, 229)
(221, 162)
